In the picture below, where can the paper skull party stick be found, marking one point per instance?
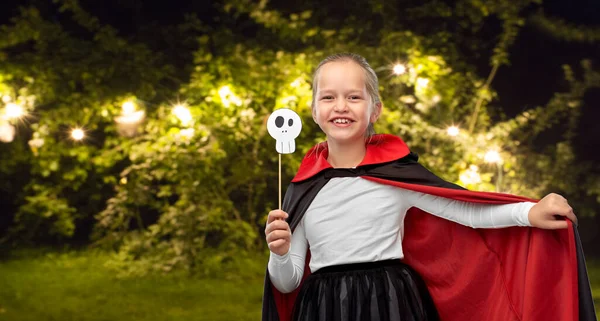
(284, 125)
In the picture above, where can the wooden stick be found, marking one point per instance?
(279, 181)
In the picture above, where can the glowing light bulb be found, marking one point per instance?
(131, 118)
(492, 156)
(77, 134)
(453, 131)
(183, 113)
(13, 110)
(128, 108)
(399, 69)
(7, 132)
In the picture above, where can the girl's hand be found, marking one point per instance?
(279, 235)
(549, 212)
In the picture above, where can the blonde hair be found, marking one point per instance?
(371, 80)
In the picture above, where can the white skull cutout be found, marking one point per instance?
(284, 125)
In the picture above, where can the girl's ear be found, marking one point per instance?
(376, 112)
(314, 114)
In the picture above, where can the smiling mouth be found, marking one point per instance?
(342, 121)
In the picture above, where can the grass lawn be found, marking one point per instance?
(78, 287)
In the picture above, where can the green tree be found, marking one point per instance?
(187, 184)
(64, 81)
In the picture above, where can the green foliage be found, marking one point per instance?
(45, 211)
(195, 177)
(562, 30)
(555, 168)
(191, 192)
(72, 87)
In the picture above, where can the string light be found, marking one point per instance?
(7, 132)
(129, 115)
(77, 134)
(399, 69)
(132, 118)
(183, 113)
(492, 156)
(129, 120)
(13, 110)
(453, 131)
(128, 108)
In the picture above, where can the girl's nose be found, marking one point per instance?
(341, 106)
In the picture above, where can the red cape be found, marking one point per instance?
(515, 273)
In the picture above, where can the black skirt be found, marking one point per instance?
(377, 291)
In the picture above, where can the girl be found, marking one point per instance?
(353, 227)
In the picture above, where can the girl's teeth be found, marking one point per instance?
(341, 121)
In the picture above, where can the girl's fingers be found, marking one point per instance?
(277, 231)
(277, 235)
(567, 211)
(556, 225)
(572, 216)
(275, 215)
(276, 225)
(275, 244)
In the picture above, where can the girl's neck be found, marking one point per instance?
(347, 155)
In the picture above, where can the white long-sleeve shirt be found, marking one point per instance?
(353, 220)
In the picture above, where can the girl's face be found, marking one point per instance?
(342, 106)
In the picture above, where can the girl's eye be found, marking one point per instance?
(354, 97)
(327, 97)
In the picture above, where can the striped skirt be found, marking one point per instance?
(376, 291)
